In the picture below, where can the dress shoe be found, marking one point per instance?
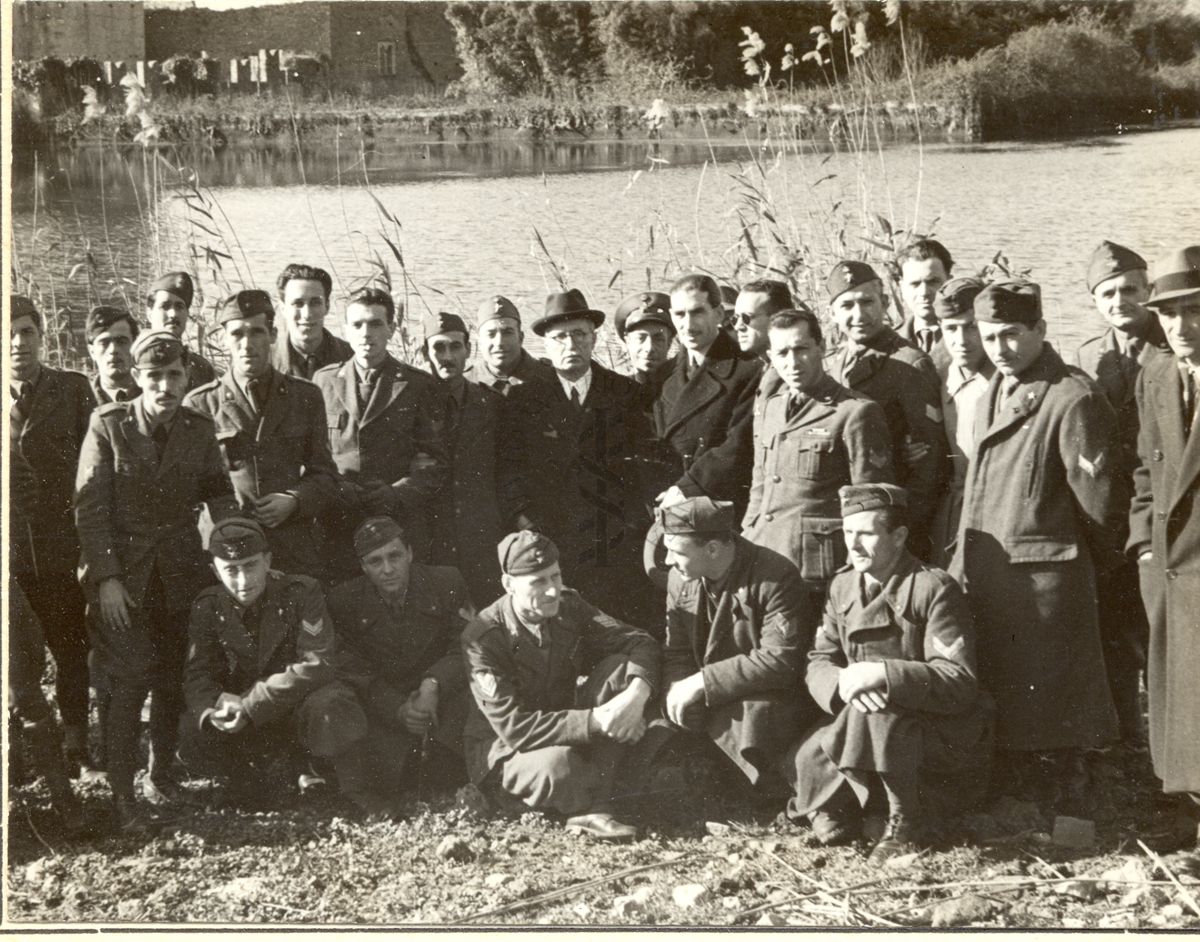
(600, 826)
(832, 828)
(901, 836)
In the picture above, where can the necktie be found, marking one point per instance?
(21, 394)
(308, 366)
(501, 385)
(1189, 401)
(576, 402)
(928, 338)
(365, 386)
(120, 396)
(793, 407)
(258, 394)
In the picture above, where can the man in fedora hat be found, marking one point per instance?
(568, 461)
(1164, 523)
(305, 345)
(502, 362)
(168, 307)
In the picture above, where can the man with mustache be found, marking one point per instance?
(168, 307)
(305, 345)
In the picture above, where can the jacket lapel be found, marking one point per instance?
(233, 634)
(1024, 401)
(725, 614)
(136, 429)
(1179, 452)
(346, 389)
(694, 397)
(276, 408)
(177, 442)
(271, 627)
(236, 411)
(387, 390)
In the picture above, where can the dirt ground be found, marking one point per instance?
(702, 860)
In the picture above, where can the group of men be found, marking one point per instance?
(881, 577)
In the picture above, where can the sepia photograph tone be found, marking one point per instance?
(601, 464)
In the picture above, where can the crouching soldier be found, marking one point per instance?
(894, 663)
(260, 674)
(738, 625)
(539, 734)
(398, 628)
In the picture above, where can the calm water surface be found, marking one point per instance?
(613, 217)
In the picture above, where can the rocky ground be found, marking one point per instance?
(701, 861)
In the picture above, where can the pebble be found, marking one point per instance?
(1085, 890)
(1072, 922)
(962, 911)
(730, 902)
(239, 889)
(454, 848)
(1172, 911)
(129, 909)
(496, 879)
(688, 895)
(1158, 920)
(627, 906)
(1118, 921)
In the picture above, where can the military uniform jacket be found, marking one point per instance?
(749, 649)
(525, 692)
(272, 669)
(201, 372)
(332, 350)
(385, 656)
(100, 394)
(1165, 519)
(49, 441)
(136, 513)
(528, 369)
(706, 422)
(285, 450)
(904, 382)
(836, 437)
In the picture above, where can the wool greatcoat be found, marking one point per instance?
(1164, 519)
(937, 725)
(282, 451)
(747, 635)
(834, 437)
(1042, 514)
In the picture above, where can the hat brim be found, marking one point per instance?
(634, 319)
(540, 326)
(1156, 299)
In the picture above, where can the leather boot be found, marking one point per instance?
(75, 749)
(45, 744)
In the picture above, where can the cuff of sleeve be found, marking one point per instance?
(576, 727)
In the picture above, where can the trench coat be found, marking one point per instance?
(525, 693)
(1042, 513)
(332, 350)
(836, 437)
(282, 451)
(749, 643)
(49, 441)
(937, 724)
(136, 514)
(1164, 519)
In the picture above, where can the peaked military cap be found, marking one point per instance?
(102, 317)
(1173, 276)
(156, 348)
(178, 283)
(525, 552)
(652, 307)
(236, 538)
(856, 498)
(698, 516)
(443, 323)
(849, 274)
(1010, 302)
(21, 306)
(374, 533)
(497, 306)
(1110, 260)
(566, 306)
(244, 304)
(956, 297)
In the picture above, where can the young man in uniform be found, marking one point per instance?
(168, 304)
(305, 345)
(924, 266)
(110, 334)
(502, 362)
(146, 464)
(643, 322)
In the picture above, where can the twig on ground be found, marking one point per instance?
(577, 887)
(797, 897)
(36, 832)
(1162, 865)
(826, 892)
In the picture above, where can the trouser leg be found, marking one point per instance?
(166, 694)
(58, 602)
(123, 728)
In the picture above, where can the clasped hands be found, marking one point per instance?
(864, 686)
(622, 718)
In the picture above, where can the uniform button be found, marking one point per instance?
(769, 517)
(1171, 574)
(777, 479)
(1161, 515)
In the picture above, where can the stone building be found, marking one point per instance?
(74, 30)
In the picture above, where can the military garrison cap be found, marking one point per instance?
(652, 307)
(497, 306)
(443, 323)
(856, 498)
(21, 306)
(697, 516)
(236, 538)
(102, 317)
(1173, 276)
(956, 297)
(244, 304)
(1010, 302)
(849, 274)
(178, 283)
(1110, 260)
(525, 552)
(156, 348)
(374, 533)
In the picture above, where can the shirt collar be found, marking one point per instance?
(583, 384)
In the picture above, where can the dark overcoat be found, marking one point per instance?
(136, 514)
(1165, 519)
(1042, 512)
(282, 451)
(331, 351)
(749, 648)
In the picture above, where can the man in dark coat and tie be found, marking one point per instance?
(168, 307)
(924, 266)
(305, 345)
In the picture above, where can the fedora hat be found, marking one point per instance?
(1175, 275)
(566, 306)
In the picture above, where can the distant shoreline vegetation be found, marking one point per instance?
(576, 71)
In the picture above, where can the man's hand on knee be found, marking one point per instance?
(623, 717)
(684, 694)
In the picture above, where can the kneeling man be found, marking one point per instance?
(538, 733)
(894, 663)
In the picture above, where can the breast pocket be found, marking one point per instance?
(811, 455)
(822, 549)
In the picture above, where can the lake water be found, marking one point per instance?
(613, 217)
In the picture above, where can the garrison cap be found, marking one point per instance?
(856, 498)
(244, 304)
(178, 283)
(1010, 302)
(652, 307)
(697, 516)
(102, 317)
(374, 533)
(156, 348)
(849, 274)
(21, 306)
(236, 538)
(956, 297)
(1173, 276)
(1110, 260)
(525, 552)
(497, 306)
(443, 323)
(565, 306)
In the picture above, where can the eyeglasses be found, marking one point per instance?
(576, 336)
(744, 320)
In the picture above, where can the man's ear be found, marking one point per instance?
(506, 581)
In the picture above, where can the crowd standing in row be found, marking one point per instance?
(887, 577)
